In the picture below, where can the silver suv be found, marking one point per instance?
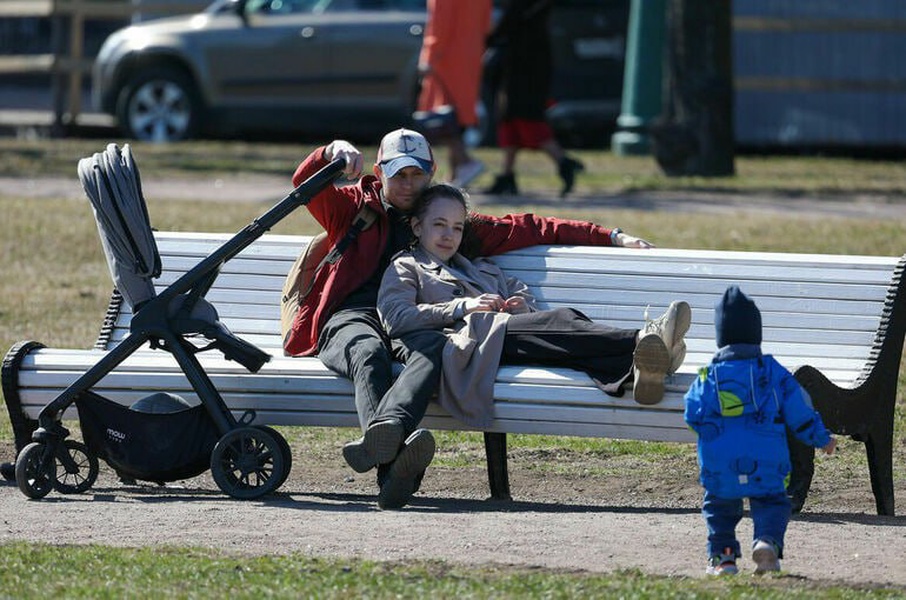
(322, 68)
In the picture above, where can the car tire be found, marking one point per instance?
(159, 104)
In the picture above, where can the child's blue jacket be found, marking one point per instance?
(740, 405)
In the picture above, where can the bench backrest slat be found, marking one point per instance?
(820, 309)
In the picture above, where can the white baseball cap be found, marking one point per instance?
(404, 148)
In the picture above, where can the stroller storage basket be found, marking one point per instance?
(156, 447)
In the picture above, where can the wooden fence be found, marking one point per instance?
(67, 62)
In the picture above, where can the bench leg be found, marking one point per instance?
(879, 448)
(23, 427)
(498, 476)
(864, 413)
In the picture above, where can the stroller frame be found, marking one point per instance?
(248, 461)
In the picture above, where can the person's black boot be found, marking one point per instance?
(568, 167)
(504, 185)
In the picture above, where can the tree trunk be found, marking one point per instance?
(694, 135)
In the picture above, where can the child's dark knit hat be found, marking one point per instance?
(736, 319)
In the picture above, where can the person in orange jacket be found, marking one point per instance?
(450, 68)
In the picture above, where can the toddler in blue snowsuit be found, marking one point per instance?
(740, 406)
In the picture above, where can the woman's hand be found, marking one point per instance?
(485, 303)
(516, 305)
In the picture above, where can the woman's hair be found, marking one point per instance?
(431, 193)
(470, 247)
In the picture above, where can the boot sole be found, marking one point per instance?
(402, 480)
(651, 361)
(379, 445)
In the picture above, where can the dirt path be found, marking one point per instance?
(597, 525)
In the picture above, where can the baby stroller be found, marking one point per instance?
(160, 438)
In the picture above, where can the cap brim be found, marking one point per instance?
(392, 167)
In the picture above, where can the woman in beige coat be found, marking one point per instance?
(491, 319)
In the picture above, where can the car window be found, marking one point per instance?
(283, 7)
(353, 5)
(393, 4)
(331, 6)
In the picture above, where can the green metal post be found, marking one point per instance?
(641, 77)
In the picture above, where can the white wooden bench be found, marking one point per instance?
(842, 315)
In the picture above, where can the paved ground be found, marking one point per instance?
(271, 189)
(596, 524)
(26, 111)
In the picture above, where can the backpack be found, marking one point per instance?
(301, 276)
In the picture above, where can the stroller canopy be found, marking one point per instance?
(113, 186)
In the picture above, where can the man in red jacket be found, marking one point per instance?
(338, 318)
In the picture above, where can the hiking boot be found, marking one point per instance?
(406, 472)
(384, 473)
(671, 326)
(378, 446)
(650, 363)
(567, 169)
(467, 172)
(504, 185)
(723, 564)
(766, 557)
(677, 357)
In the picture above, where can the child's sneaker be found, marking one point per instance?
(723, 564)
(766, 558)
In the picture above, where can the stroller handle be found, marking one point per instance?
(303, 193)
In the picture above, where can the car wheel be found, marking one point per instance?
(159, 105)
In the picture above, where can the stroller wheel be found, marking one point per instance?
(35, 473)
(284, 448)
(247, 463)
(77, 469)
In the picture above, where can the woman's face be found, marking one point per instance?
(439, 231)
